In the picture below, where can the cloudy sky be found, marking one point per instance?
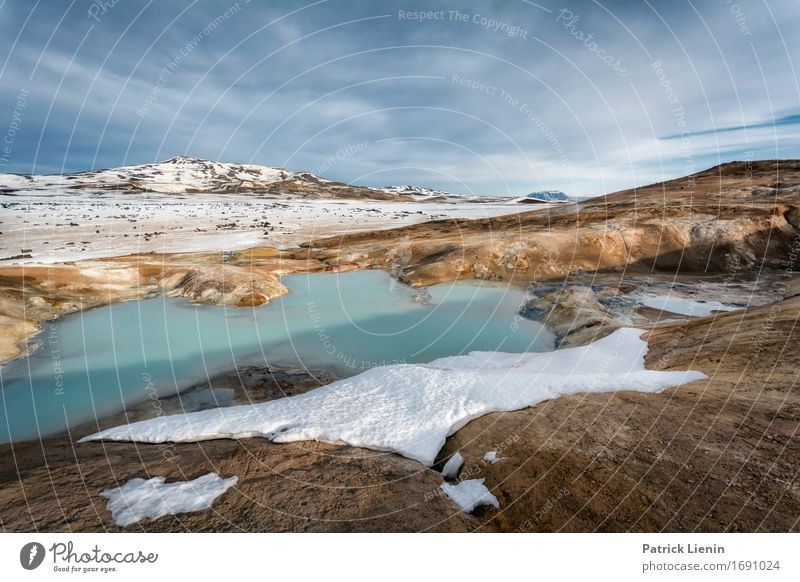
(490, 98)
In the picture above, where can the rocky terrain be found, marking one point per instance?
(716, 455)
(733, 218)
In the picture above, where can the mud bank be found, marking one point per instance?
(731, 219)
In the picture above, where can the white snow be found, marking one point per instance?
(492, 457)
(452, 466)
(63, 226)
(411, 409)
(141, 498)
(420, 191)
(470, 494)
(683, 306)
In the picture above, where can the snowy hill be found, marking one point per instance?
(422, 194)
(186, 175)
(417, 191)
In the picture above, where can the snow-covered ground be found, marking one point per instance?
(417, 191)
(684, 306)
(75, 225)
(188, 204)
(452, 466)
(411, 409)
(491, 457)
(470, 494)
(153, 498)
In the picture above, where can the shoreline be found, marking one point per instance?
(574, 323)
(221, 378)
(142, 273)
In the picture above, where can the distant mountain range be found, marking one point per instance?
(187, 175)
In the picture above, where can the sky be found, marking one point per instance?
(494, 98)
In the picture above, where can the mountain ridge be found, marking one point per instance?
(188, 175)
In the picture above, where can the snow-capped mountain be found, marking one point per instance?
(545, 197)
(549, 196)
(422, 194)
(186, 175)
(416, 191)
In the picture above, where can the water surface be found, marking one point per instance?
(94, 364)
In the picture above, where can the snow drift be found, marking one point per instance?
(470, 494)
(153, 498)
(412, 409)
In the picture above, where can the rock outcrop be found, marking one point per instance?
(32, 294)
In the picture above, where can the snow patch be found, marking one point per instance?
(683, 306)
(411, 409)
(452, 466)
(141, 498)
(420, 191)
(491, 457)
(470, 494)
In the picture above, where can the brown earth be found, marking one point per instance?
(735, 217)
(303, 487)
(715, 455)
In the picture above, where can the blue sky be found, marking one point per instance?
(479, 97)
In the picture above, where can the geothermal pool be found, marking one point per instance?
(93, 364)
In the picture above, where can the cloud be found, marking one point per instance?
(453, 103)
(775, 123)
